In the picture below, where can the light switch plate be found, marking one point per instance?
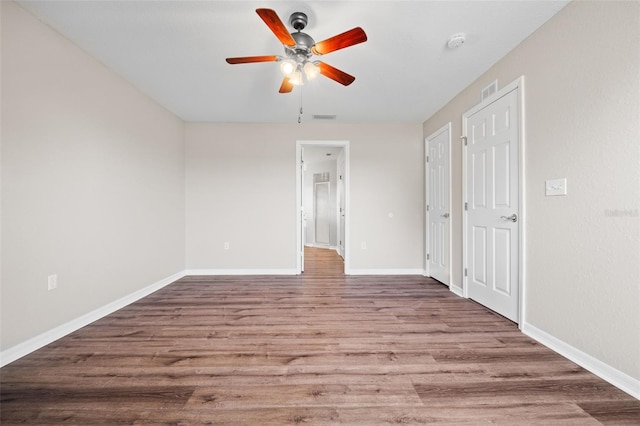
(554, 187)
(52, 282)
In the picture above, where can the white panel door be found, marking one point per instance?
(438, 166)
(492, 197)
(322, 193)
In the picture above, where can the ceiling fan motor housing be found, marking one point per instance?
(304, 42)
(298, 20)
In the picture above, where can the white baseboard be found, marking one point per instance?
(18, 351)
(616, 377)
(384, 272)
(456, 290)
(190, 272)
(322, 246)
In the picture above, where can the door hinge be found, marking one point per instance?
(427, 207)
(464, 140)
(427, 158)
(428, 256)
(466, 206)
(465, 272)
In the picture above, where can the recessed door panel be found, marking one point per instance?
(479, 182)
(502, 261)
(501, 172)
(502, 120)
(479, 255)
(442, 198)
(478, 132)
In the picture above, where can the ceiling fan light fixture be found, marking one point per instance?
(296, 78)
(288, 67)
(311, 70)
(299, 48)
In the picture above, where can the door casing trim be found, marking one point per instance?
(333, 143)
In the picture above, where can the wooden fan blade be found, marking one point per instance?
(346, 39)
(270, 17)
(251, 59)
(286, 86)
(335, 74)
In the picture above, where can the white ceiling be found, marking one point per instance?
(317, 154)
(174, 51)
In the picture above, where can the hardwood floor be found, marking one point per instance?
(314, 349)
(323, 263)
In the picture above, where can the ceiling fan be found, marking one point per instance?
(299, 48)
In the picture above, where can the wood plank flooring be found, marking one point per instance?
(318, 349)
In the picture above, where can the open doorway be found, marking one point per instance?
(322, 194)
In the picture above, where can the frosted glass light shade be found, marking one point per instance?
(287, 67)
(311, 71)
(296, 79)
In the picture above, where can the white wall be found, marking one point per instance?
(582, 112)
(92, 182)
(241, 181)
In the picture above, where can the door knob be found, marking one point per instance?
(512, 218)
(445, 215)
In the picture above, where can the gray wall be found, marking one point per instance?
(92, 182)
(241, 181)
(582, 114)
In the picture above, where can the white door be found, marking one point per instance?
(438, 207)
(322, 195)
(492, 203)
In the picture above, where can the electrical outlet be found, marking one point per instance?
(363, 245)
(52, 282)
(226, 245)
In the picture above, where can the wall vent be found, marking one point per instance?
(489, 90)
(324, 116)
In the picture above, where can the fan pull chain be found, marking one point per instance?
(300, 113)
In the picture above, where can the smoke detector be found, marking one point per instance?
(456, 40)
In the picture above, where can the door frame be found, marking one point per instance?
(300, 144)
(517, 85)
(446, 127)
(340, 204)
